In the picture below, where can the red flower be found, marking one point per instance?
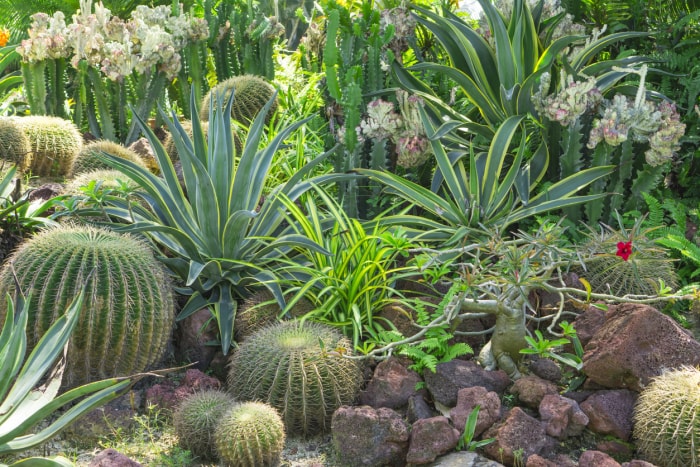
(624, 250)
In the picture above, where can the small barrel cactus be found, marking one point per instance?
(250, 434)
(250, 94)
(261, 309)
(317, 378)
(54, 142)
(14, 144)
(128, 313)
(196, 418)
(667, 419)
(87, 159)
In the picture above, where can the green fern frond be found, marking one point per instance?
(457, 350)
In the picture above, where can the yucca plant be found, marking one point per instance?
(22, 404)
(224, 236)
(493, 189)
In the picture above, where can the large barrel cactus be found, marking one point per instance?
(14, 144)
(128, 313)
(88, 158)
(55, 143)
(261, 309)
(317, 378)
(667, 419)
(250, 94)
(250, 434)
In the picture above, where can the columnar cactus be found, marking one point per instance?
(87, 159)
(196, 419)
(317, 378)
(250, 92)
(128, 312)
(14, 144)
(667, 419)
(55, 143)
(250, 434)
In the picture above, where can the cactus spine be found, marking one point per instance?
(667, 419)
(250, 434)
(251, 93)
(14, 144)
(128, 312)
(261, 310)
(88, 159)
(196, 419)
(317, 379)
(55, 143)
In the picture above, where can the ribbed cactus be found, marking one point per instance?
(196, 418)
(14, 144)
(639, 274)
(250, 92)
(316, 380)
(250, 434)
(127, 317)
(55, 143)
(667, 419)
(87, 159)
(261, 309)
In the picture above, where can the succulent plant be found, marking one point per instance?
(667, 419)
(87, 159)
(250, 434)
(196, 418)
(54, 142)
(169, 143)
(317, 378)
(260, 310)
(127, 316)
(250, 94)
(14, 144)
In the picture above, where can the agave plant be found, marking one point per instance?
(464, 197)
(223, 236)
(22, 404)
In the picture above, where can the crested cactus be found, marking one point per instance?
(261, 309)
(318, 379)
(250, 92)
(250, 434)
(88, 159)
(14, 144)
(196, 418)
(55, 143)
(128, 313)
(667, 419)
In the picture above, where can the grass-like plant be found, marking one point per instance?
(23, 404)
(356, 280)
(223, 237)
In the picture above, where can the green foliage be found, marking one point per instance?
(466, 194)
(318, 377)
(23, 405)
(353, 278)
(87, 160)
(54, 143)
(129, 319)
(250, 434)
(466, 441)
(355, 46)
(19, 215)
(196, 419)
(251, 93)
(546, 348)
(222, 238)
(667, 418)
(437, 344)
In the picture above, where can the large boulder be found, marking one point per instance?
(364, 436)
(610, 412)
(391, 385)
(430, 438)
(635, 344)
